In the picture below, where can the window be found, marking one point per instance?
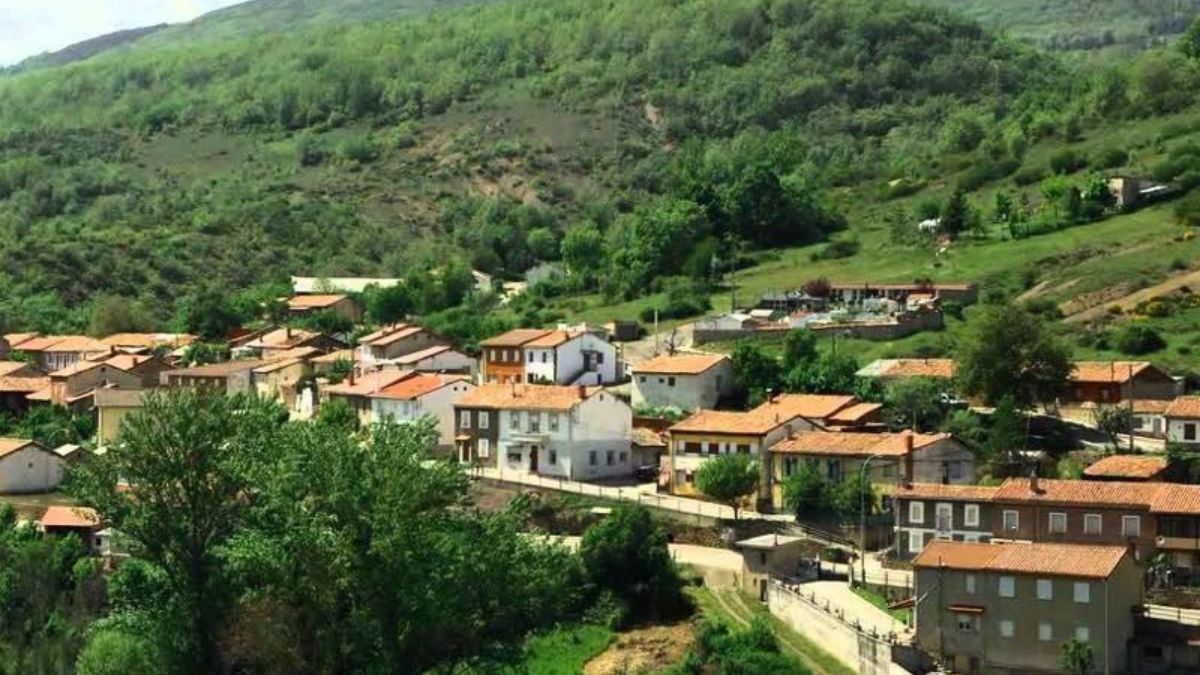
(535, 422)
(1045, 631)
(484, 447)
(692, 448)
(1011, 521)
(1131, 526)
(641, 378)
(670, 382)
(1189, 432)
(1083, 592)
(1092, 523)
(623, 457)
(553, 457)
(592, 457)
(599, 358)
(969, 581)
(916, 542)
(464, 419)
(967, 623)
(1083, 634)
(1058, 523)
(610, 457)
(1007, 587)
(1006, 628)
(514, 419)
(916, 512)
(553, 421)
(1045, 589)
(971, 515)
(530, 355)
(743, 449)
(544, 356)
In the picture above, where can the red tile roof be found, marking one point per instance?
(514, 338)
(1064, 560)
(422, 354)
(1107, 372)
(417, 386)
(526, 397)
(1078, 492)
(850, 444)
(855, 413)
(964, 493)
(1127, 466)
(902, 368)
(70, 516)
(368, 384)
(680, 364)
(770, 415)
(149, 340)
(1184, 406)
(554, 338)
(1176, 499)
(314, 301)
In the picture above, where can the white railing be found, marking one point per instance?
(1190, 617)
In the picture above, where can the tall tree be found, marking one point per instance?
(626, 554)
(177, 483)
(1008, 351)
(729, 479)
(917, 403)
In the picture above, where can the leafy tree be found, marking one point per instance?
(1077, 657)
(1003, 208)
(114, 652)
(626, 554)
(191, 458)
(966, 426)
(917, 403)
(337, 413)
(799, 346)
(583, 248)
(729, 479)
(1006, 351)
(830, 374)
(1189, 43)
(1114, 420)
(756, 371)
(808, 491)
(1138, 339)
(853, 494)
(956, 213)
(114, 314)
(388, 305)
(1007, 431)
(543, 243)
(209, 313)
(51, 426)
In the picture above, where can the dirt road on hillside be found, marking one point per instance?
(1128, 302)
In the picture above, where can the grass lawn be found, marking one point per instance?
(879, 601)
(736, 610)
(560, 652)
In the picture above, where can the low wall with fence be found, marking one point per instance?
(868, 652)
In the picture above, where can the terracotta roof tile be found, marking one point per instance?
(514, 338)
(552, 339)
(525, 397)
(14, 339)
(417, 386)
(1145, 406)
(24, 384)
(1107, 372)
(966, 493)
(1176, 499)
(127, 362)
(1078, 492)
(223, 369)
(381, 332)
(70, 516)
(680, 364)
(901, 368)
(422, 354)
(313, 301)
(764, 418)
(149, 340)
(1184, 406)
(1064, 560)
(77, 343)
(282, 338)
(396, 336)
(1127, 466)
(368, 384)
(850, 444)
(855, 413)
(11, 445)
(76, 368)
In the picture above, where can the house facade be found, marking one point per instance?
(931, 511)
(113, 406)
(888, 459)
(357, 390)
(394, 341)
(230, 377)
(423, 396)
(274, 343)
(1106, 382)
(683, 381)
(26, 467)
(17, 381)
(74, 386)
(1008, 608)
(55, 352)
(437, 359)
(1182, 419)
(576, 432)
(564, 357)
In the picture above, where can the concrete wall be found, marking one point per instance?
(30, 469)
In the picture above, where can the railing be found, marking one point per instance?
(1190, 617)
(827, 608)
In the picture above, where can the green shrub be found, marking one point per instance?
(1067, 161)
(1138, 339)
(1029, 175)
(1112, 158)
(359, 149)
(835, 250)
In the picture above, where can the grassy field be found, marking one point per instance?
(563, 652)
(904, 615)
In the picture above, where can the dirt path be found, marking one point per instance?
(643, 650)
(734, 604)
(1128, 302)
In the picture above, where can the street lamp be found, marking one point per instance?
(862, 518)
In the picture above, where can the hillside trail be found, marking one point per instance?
(1128, 302)
(734, 604)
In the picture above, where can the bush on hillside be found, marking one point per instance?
(1111, 158)
(1029, 175)
(835, 250)
(1067, 161)
(1139, 339)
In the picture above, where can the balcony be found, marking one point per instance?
(1178, 543)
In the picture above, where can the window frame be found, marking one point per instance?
(1004, 581)
(1096, 518)
(917, 507)
(1046, 635)
(1051, 517)
(920, 538)
(464, 419)
(1010, 625)
(1045, 589)
(1084, 597)
(971, 515)
(483, 447)
(1125, 529)
(1016, 519)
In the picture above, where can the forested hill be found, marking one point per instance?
(637, 139)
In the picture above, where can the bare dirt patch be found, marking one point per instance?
(643, 650)
(1128, 300)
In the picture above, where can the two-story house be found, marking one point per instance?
(356, 390)
(707, 433)
(422, 396)
(55, 352)
(888, 459)
(391, 342)
(74, 386)
(230, 377)
(550, 357)
(682, 381)
(929, 511)
(577, 433)
(1008, 608)
(1104, 382)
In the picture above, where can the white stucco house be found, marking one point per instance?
(684, 381)
(422, 396)
(27, 467)
(435, 359)
(572, 432)
(560, 356)
(1183, 421)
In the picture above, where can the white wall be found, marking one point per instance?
(438, 404)
(30, 470)
(1175, 430)
(689, 393)
(600, 424)
(449, 360)
(542, 367)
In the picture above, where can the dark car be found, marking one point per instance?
(646, 474)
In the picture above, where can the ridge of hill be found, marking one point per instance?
(85, 49)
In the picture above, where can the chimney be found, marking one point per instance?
(288, 332)
(1033, 481)
(352, 376)
(582, 391)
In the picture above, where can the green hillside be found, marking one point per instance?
(651, 147)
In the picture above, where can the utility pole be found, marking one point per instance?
(1130, 429)
(862, 518)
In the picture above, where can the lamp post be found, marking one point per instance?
(862, 518)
